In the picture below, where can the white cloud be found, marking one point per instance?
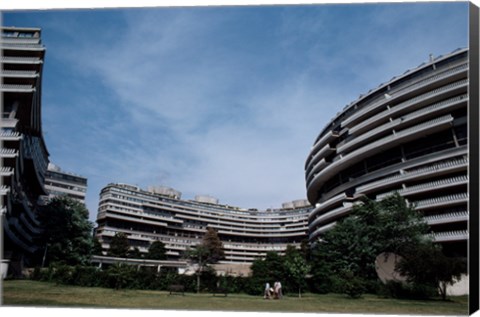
(187, 100)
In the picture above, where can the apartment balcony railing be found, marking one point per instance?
(458, 235)
(319, 231)
(18, 88)
(10, 136)
(443, 183)
(326, 204)
(442, 201)
(136, 219)
(20, 60)
(327, 138)
(8, 153)
(447, 218)
(19, 73)
(6, 171)
(4, 190)
(383, 144)
(421, 171)
(335, 213)
(413, 116)
(381, 101)
(416, 101)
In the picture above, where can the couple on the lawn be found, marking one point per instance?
(275, 291)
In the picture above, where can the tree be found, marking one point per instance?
(208, 252)
(213, 245)
(157, 251)
(296, 268)
(97, 247)
(373, 227)
(426, 264)
(119, 246)
(67, 233)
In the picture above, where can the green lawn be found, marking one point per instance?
(40, 294)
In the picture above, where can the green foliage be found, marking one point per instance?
(425, 264)
(208, 252)
(119, 276)
(211, 242)
(67, 231)
(401, 290)
(156, 251)
(390, 225)
(351, 285)
(96, 247)
(119, 246)
(296, 269)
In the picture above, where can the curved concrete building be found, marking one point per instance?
(23, 152)
(150, 215)
(408, 135)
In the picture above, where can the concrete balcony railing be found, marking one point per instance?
(6, 171)
(19, 73)
(382, 101)
(382, 144)
(20, 60)
(411, 117)
(8, 153)
(442, 201)
(418, 101)
(414, 173)
(328, 137)
(447, 218)
(4, 190)
(430, 186)
(335, 213)
(18, 88)
(326, 204)
(449, 236)
(319, 231)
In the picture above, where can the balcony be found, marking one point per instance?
(447, 218)
(450, 236)
(383, 144)
(430, 186)
(332, 214)
(8, 153)
(382, 101)
(412, 104)
(442, 201)
(10, 136)
(314, 235)
(422, 114)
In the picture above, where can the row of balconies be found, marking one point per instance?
(416, 102)
(447, 217)
(21, 60)
(8, 153)
(429, 111)
(450, 236)
(382, 144)
(405, 175)
(442, 201)
(459, 180)
(392, 95)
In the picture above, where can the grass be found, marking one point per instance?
(41, 294)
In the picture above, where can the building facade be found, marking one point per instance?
(160, 214)
(408, 135)
(23, 151)
(61, 183)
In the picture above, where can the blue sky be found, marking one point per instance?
(221, 101)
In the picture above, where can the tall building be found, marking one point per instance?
(160, 214)
(408, 135)
(59, 182)
(23, 151)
